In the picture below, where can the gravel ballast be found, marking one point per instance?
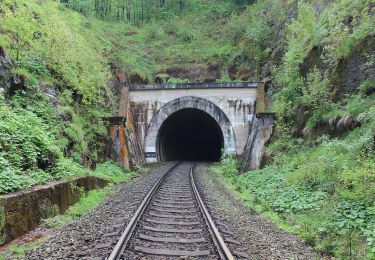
(250, 233)
(94, 234)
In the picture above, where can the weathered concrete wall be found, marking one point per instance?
(21, 212)
(133, 143)
(238, 108)
(260, 132)
(150, 105)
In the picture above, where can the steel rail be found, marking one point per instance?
(220, 244)
(125, 236)
(121, 244)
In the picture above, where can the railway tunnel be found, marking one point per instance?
(190, 134)
(192, 122)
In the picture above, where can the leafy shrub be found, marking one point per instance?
(13, 180)
(9, 181)
(224, 78)
(304, 33)
(367, 87)
(34, 65)
(177, 81)
(323, 193)
(25, 138)
(154, 32)
(185, 34)
(258, 31)
(315, 97)
(229, 165)
(352, 220)
(111, 171)
(66, 168)
(299, 200)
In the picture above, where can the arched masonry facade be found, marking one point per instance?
(151, 136)
(234, 106)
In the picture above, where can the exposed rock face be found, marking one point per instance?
(248, 73)
(357, 67)
(335, 127)
(196, 74)
(350, 71)
(5, 67)
(9, 83)
(17, 82)
(313, 60)
(21, 212)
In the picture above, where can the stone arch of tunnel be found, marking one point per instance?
(188, 128)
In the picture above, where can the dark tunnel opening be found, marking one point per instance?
(191, 135)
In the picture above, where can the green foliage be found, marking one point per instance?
(315, 97)
(229, 165)
(349, 22)
(110, 171)
(25, 140)
(367, 87)
(47, 42)
(18, 251)
(325, 194)
(136, 11)
(66, 168)
(224, 78)
(57, 53)
(304, 33)
(177, 81)
(11, 180)
(337, 30)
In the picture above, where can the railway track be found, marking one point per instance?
(172, 222)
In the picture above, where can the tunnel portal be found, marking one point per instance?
(190, 134)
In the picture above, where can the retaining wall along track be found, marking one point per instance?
(22, 211)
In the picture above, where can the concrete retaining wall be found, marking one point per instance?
(22, 211)
(261, 130)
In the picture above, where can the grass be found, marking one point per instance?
(109, 171)
(325, 194)
(87, 202)
(19, 251)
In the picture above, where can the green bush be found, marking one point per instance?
(66, 168)
(86, 203)
(177, 81)
(324, 193)
(24, 138)
(13, 180)
(367, 87)
(111, 171)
